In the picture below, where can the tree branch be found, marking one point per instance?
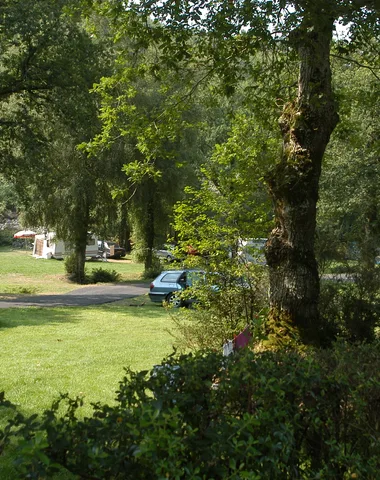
(371, 69)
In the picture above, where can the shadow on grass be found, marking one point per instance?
(34, 316)
(139, 307)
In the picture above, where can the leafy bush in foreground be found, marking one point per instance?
(230, 299)
(278, 415)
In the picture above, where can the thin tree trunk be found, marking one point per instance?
(306, 125)
(80, 243)
(125, 230)
(149, 231)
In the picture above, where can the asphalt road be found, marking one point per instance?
(95, 295)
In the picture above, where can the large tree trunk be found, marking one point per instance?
(80, 259)
(306, 126)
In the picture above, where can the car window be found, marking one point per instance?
(170, 277)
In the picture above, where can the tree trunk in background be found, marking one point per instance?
(306, 125)
(149, 228)
(125, 230)
(80, 240)
(80, 259)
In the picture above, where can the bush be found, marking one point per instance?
(228, 302)
(70, 264)
(154, 270)
(6, 237)
(278, 415)
(350, 310)
(100, 275)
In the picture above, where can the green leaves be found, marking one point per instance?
(232, 202)
(208, 416)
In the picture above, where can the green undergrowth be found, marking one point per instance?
(263, 415)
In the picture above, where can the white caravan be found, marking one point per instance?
(48, 246)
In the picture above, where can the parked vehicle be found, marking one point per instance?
(169, 283)
(166, 253)
(111, 249)
(48, 246)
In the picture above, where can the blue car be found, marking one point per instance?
(166, 286)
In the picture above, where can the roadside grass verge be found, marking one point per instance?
(81, 351)
(21, 273)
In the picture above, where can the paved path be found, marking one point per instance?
(84, 296)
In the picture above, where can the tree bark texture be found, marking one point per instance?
(306, 125)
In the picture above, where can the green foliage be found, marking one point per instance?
(100, 275)
(97, 275)
(48, 62)
(232, 203)
(6, 237)
(230, 299)
(349, 199)
(349, 310)
(348, 213)
(152, 272)
(70, 263)
(8, 197)
(277, 415)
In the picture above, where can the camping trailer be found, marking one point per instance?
(48, 246)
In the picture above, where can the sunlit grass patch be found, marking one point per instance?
(20, 270)
(82, 351)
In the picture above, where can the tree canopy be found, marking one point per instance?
(256, 42)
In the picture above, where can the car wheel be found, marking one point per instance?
(169, 258)
(174, 300)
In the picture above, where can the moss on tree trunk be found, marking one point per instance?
(306, 125)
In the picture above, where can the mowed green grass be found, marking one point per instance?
(21, 273)
(81, 351)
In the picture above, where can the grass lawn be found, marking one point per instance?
(83, 351)
(21, 273)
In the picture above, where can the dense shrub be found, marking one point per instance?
(6, 237)
(100, 275)
(349, 310)
(231, 299)
(70, 264)
(269, 415)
